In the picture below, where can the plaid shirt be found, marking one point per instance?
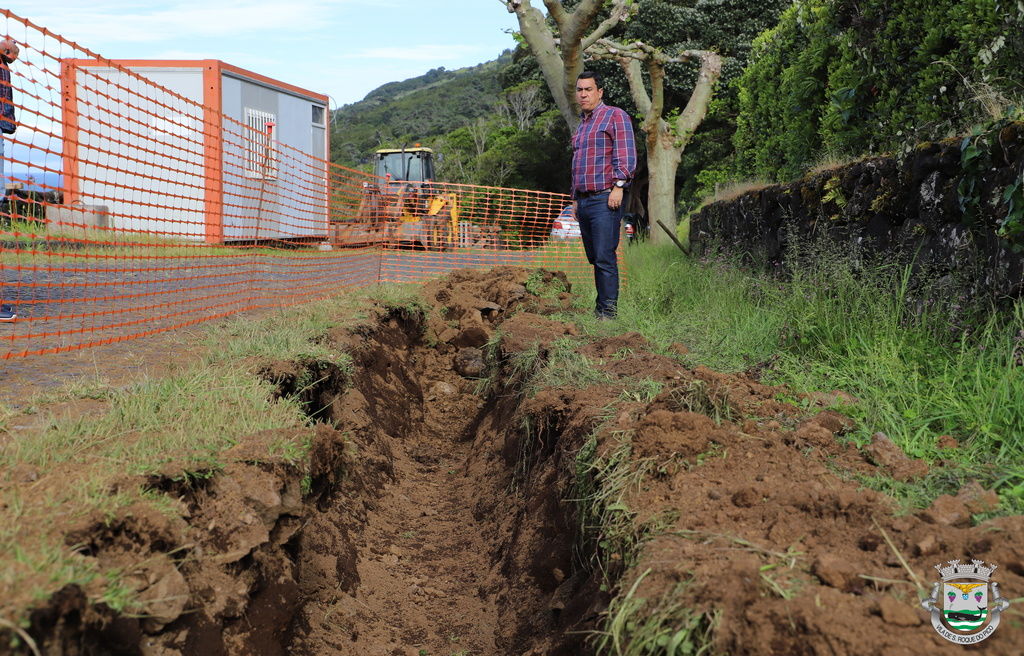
(603, 150)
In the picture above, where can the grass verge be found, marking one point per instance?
(88, 450)
(921, 366)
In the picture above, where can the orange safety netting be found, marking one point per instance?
(146, 196)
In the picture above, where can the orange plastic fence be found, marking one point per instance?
(146, 196)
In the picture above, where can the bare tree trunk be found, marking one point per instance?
(662, 162)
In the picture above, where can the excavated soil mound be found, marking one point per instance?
(450, 501)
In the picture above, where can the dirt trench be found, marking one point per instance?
(439, 511)
(444, 556)
(413, 531)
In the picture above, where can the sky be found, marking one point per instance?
(344, 48)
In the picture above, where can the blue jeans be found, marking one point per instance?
(599, 227)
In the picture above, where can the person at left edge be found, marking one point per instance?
(8, 124)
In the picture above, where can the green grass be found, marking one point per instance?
(192, 415)
(565, 366)
(178, 426)
(662, 626)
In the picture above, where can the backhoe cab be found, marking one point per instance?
(404, 206)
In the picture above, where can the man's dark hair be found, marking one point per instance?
(591, 75)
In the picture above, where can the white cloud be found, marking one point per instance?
(145, 22)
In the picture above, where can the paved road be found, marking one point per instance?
(69, 300)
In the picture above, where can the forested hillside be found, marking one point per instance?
(416, 109)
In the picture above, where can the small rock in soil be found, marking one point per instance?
(898, 613)
(977, 499)
(745, 498)
(883, 452)
(927, 546)
(837, 572)
(947, 511)
(441, 389)
(469, 362)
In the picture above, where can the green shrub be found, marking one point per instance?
(847, 78)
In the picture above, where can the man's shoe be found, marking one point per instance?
(7, 313)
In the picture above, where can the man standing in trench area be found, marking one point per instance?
(603, 163)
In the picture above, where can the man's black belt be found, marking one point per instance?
(585, 194)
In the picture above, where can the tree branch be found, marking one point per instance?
(557, 12)
(538, 35)
(697, 107)
(561, 59)
(621, 10)
(656, 71)
(630, 62)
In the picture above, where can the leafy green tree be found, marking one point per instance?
(726, 27)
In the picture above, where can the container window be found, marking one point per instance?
(260, 144)
(318, 115)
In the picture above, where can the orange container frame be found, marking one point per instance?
(215, 122)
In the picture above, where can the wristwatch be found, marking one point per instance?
(620, 183)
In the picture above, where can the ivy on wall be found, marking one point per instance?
(851, 77)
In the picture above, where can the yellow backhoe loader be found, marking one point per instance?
(405, 207)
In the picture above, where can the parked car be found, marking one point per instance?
(566, 226)
(635, 228)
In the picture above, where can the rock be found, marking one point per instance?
(832, 421)
(927, 545)
(947, 511)
(442, 389)
(469, 362)
(164, 598)
(897, 613)
(810, 433)
(977, 499)
(448, 335)
(489, 311)
(746, 498)
(837, 572)
(884, 453)
(473, 334)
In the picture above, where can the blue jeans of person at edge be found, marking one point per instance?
(599, 228)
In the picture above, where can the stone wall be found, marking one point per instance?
(940, 209)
